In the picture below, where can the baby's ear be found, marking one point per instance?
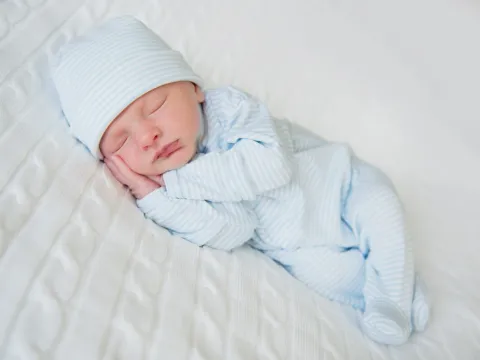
(199, 93)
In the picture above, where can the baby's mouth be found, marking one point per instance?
(166, 151)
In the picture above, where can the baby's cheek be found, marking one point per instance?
(132, 160)
(189, 154)
(142, 167)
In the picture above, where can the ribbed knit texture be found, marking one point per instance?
(334, 222)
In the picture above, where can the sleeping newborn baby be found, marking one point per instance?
(215, 168)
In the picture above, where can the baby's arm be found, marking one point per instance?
(256, 161)
(223, 226)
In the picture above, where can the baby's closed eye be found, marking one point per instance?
(155, 107)
(121, 140)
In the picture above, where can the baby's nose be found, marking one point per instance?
(148, 137)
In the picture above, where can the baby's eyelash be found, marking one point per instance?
(157, 107)
(122, 142)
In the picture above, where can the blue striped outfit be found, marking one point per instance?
(333, 221)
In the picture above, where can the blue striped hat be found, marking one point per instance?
(99, 74)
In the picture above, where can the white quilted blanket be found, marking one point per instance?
(84, 276)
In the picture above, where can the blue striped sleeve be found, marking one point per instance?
(223, 226)
(253, 163)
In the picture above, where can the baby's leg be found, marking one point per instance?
(335, 273)
(375, 215)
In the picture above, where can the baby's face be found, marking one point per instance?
(158, 131)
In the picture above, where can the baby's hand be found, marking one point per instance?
(158, 179)
(139, 185)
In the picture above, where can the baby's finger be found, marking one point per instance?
(115, 171)
(122, 167)
(157, 179)
(131, 177)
